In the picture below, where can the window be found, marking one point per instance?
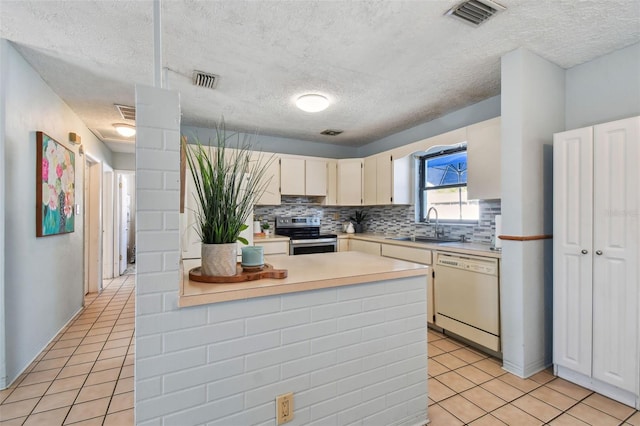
(442, 184)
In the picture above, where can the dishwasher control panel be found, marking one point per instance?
(481, 266)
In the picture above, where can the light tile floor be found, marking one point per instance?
(469, 387)
(85, 377)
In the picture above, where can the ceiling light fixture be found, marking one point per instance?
(125, 130)
(312, 103)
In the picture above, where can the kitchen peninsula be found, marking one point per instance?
(345, 332)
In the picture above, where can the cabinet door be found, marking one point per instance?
(343, 244)
(332, 184)
(572, 230)
(365, 247)
(316, 177)
(350, 182)
(271, 196)
(402, 182)
(369, 182)
(615, 263)
(383, 190)
(483, 160)
(292, 178)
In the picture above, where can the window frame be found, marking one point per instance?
(421, 184)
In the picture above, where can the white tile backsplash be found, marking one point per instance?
(388, 220)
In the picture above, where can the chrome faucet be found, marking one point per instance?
(438, 234)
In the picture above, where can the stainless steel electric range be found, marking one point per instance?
(304, 235)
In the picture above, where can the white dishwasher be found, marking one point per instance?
(467, 299)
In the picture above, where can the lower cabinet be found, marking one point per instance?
(365, 247)
(343, 244)
(273, 247)
(416, 255)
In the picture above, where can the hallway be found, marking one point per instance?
(85, 375)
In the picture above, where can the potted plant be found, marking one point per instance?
(227, 180)
(265, 227)
(359, 218)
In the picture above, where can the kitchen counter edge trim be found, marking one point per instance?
(365, 269)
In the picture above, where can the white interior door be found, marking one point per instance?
(616, 236)
(572, 245)
(108, 271)
(124, 212)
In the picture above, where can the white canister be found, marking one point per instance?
(257, 228)
(350, 229)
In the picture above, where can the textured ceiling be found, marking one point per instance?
(384, 65)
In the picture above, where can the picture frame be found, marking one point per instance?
(55, 187)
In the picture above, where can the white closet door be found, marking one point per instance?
(572, 245)
(616, 240)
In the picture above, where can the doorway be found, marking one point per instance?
(92, 225)
(125, 244)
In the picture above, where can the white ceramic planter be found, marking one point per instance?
(219, 259)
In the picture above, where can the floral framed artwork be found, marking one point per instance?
(55, 187)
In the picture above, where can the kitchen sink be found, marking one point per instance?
(425, 239)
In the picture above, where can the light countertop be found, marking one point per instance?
(454, 247)
(308, 272)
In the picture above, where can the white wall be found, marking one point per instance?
(4, 71)
(43, 276)
(124, 161)
(605, 89)
(532, 110)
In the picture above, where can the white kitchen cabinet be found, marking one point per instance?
(299, 176)
(364, 246)
(271, 196)
(350, 182)
(377, 180)
(292, 176)
(316, 177)
(273, 247)
(596, 257)
(332, 183)
(483, 160)
(387, 180)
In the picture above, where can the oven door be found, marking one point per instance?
(318, 245)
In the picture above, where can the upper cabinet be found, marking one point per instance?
(387, 180)
(350, 182)
(271, 195)
(483, 160)
(291, 176)
(299, 176)
(332, 183)
(377, 180)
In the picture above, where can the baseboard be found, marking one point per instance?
(3, 381)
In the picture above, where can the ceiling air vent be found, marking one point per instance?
(475, 12)
(126, 112)
(205, 79)
(330, 132)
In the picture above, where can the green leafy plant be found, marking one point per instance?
(360, 216)
(265, 225)
(228, 178)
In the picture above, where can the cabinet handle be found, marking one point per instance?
(599, 252)
(584, 251)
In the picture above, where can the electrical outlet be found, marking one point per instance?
(284, 408)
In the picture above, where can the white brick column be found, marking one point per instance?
(157, 231)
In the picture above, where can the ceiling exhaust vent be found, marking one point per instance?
(205, 79)
(126, 112)
(330, 132)
(475, 12)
